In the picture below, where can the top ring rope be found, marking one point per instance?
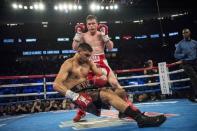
(54, 75)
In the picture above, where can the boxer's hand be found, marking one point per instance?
(104, 32)
(81, 99)
(79, 29)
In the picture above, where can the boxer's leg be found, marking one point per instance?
(120, 92)
(119, 89)
(119, 104)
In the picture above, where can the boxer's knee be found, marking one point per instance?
(106, 95)
(121, 93)
(114, 82)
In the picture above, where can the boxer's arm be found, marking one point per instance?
(78, 38)
(100, 77)
(109, 45)
(61, 77)
(82, 99)
(104, 35)
(75, 43)
(97, 71)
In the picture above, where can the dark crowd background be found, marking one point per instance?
(46, 27)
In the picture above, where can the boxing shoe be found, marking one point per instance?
(150, 121)
(123, 115)
(80, 114)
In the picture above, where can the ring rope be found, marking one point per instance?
(42, 93)
(117, 71)
(119, 78)
(129, 86)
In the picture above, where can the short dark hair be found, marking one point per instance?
(85, 47)
(90, 17)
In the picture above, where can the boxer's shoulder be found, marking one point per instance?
(68, 62)
(85, 34)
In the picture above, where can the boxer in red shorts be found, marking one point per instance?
(97, 37)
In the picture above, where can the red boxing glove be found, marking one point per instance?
(98, 81)
(79, 28)
(104, 32)
(90, 76)
(103, 29)
(83, 101)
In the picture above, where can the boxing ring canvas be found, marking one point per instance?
(181, 116)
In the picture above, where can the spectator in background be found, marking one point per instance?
(149, 71)
(59, 105)
(37, 107)
(64, 104)
(54, 106)
(28, 107)
(48, 105)
(186, 52)
(20, 109)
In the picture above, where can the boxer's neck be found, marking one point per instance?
(78, 60)
(92, 33)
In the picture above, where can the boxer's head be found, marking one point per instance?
(186, 33)
(91, 23)
(84, 52)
